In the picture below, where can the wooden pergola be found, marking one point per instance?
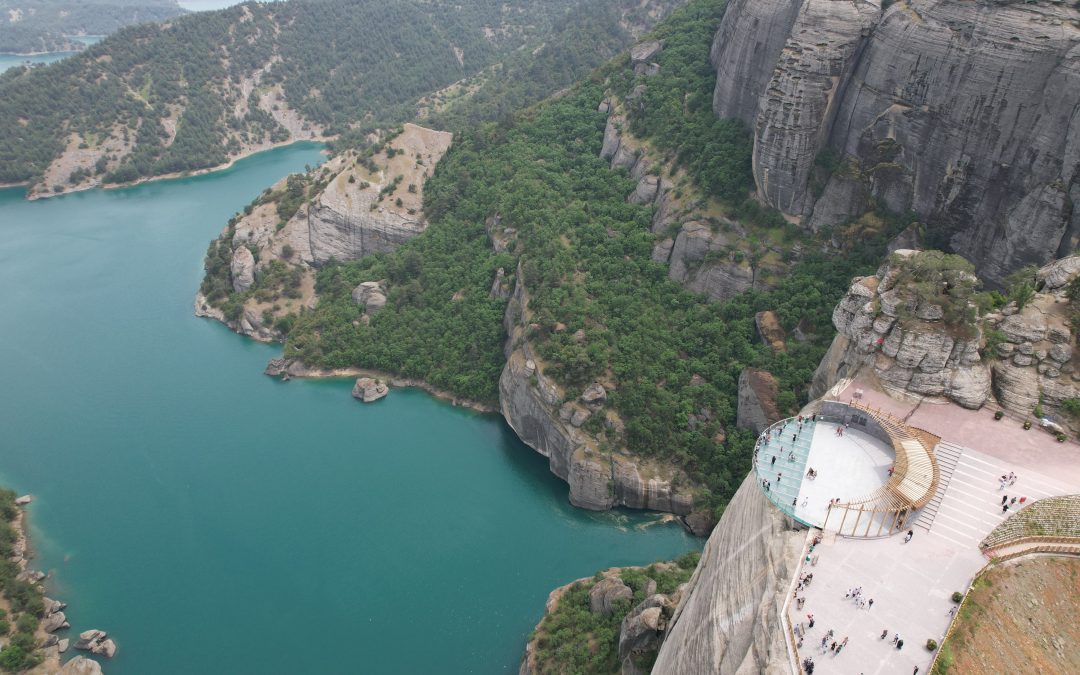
(913, 483)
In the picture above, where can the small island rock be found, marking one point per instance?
(81, 666)
(368, 389)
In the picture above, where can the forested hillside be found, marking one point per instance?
(30, 26)
(199, 90)
(600, 306)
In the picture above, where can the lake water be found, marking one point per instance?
(218, 521)
(12, 60)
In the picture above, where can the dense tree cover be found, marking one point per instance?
(17, 628)
(588, 35)
(584, 256)
(44, 25)
(343, 64)
(574, 639)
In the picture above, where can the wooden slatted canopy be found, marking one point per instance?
(913, 483)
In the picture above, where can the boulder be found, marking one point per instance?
(579, 417)
(63, 645)
(106, 648)
(371, 296)
(757, 407)
(1059, 273)
(81, 666)
(646, 191)
(594, 394)
(242, 269)
(643, 52)
(54, 622)
(368, 389)
(607, 592)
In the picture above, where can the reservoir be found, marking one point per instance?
(215, 520)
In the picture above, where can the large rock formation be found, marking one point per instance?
(537, 409)
(728, 620)
(965, 112)
(363, 211)
(757, 407)
(368, 205)
(908, 346)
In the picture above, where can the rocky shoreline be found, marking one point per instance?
(53, 618)
(289, 368)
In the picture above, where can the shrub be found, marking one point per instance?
(931, 645)
(957, 597)
(999, 414)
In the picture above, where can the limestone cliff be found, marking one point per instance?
(601, 474)
(966, 112)
(728, 620)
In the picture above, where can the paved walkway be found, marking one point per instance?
(911, 583)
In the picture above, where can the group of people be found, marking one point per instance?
(1006, 481)
(857, 597)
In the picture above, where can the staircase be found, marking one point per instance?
(948, 455)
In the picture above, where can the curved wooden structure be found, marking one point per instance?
(915, 479)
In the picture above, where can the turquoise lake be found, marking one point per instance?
(215, 520)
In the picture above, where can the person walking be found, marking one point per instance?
(909, 535)
(884, 633)
(1004, 509)
(773, 462)
(899, 645)
(896, 638)
(871, 605)
(1004, 498)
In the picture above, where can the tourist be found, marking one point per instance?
(1013, 500)
(1023, 499)
(791, 457)
(810, 617)
(1005, 508)
(1002, 482)
(909, 535)
(833, 647)
(778, 477)
(794, 502)
(1012, 478)
(896, 638)
(871, 605)
(884, 633)
(806, 499)
(1005, 499)
(899, 645)
(773, 462)
(916, 671)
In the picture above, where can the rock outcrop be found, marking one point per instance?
(80, 665)
(907, 346)
(728, 618)
(368, 389)
(606, 593)
(96, 642)
(757, 407)
(699, 256)
(965, 112)
(371, 295)
(538, 410)
(242, 269)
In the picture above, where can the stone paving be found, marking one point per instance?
(911, 583)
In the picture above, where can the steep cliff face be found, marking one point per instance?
(370, 209)
(965, 112)
(728, 620)
(537, 409)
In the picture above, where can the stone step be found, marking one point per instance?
(948, 457)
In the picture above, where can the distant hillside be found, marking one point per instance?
(200, 90)
(31, 26)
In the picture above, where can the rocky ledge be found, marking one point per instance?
(538, 410)
(53, 617)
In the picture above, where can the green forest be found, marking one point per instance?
(18, 625)
(345, 65)
(585, 258)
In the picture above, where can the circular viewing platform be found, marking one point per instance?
(847, 469)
